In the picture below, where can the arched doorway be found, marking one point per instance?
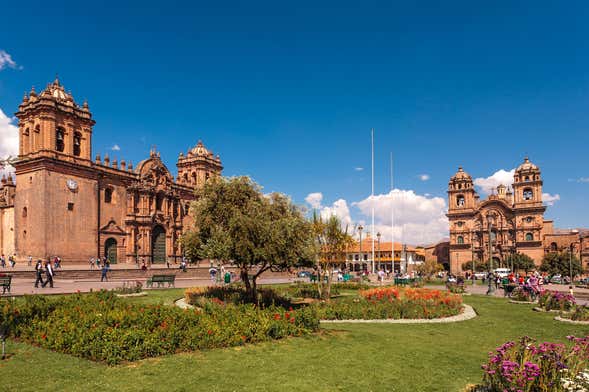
(158, 245)
(110, 250)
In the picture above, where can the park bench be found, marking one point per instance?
(161, 280)
(5, 282)
(401, 281)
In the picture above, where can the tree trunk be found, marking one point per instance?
(254, 290)
(245, 279)
(328, 289)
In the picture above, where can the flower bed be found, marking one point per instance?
(234, 294)
(527, 366)
(555, 300)
(392, 303)
(455, 288)
(101, 327)
(520, 294)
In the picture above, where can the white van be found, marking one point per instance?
(502, 272)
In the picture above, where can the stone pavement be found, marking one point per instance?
(26, 286)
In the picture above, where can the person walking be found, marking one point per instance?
(105, 268)
(12, 260)
(91, 263)
(48, 274)
(30, 260)
(39, 273)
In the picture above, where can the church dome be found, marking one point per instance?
(526, 166)
(200, 150)
(461, 175)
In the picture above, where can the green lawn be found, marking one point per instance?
(350, 357)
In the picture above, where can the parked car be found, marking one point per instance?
(480, 275)
(502, 272)
(556, 279)
(304, 274)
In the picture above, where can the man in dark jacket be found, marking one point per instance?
(39, 273)
(48, 274)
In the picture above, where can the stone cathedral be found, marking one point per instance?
(509, 221)
(66, 204)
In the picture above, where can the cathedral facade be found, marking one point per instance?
(509, 221)
(66, 204)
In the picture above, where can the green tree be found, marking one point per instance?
(479, 266)
(521, 261)
(235, 221)
(429, 267)
(560, 264)
(331, 242)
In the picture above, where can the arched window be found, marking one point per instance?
(108, 195)
(194, 181)
(529, 237)
(207, 176)
(24, 212)
(493, 235)
(77, 143)
(185, 177)
(528, 194)
(526, 179)
(553, 247)
(159, 201)
(26, 132)
(460, 201)
(59, 135)
(460, 239)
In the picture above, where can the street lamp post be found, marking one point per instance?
(378, 238)
(360, 228)
(490, 288)
(472, 254)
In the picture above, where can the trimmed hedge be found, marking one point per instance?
(102, 327)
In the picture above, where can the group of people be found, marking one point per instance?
(44, 268)
(101, 264)
(11, 260)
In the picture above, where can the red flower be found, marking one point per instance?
(292, 320)
(286, 315)
(210, 332)
(44, 337)
(277, 316)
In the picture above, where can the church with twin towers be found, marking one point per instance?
(68, 203)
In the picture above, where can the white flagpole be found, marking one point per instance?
(372, 197)
(392, 220)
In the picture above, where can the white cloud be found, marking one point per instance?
(358, 168)
(424, 177)
(418, 219)
(6, 61)
(550, 199)
(9, 144)
(340, 209)
(8, 136)
(489, 184)
(582, 179)
(314, 199)
(115, 147)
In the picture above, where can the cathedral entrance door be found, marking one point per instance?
(110, 250)
(158, 245)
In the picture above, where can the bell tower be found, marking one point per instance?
(51, 124)
(197, 166)
(461, 193)
(527, 185)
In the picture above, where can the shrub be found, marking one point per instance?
(102, 327)
(527, 366)
(579, 313)
(130, 287)
(236, 295)
(521, 294)
(455, 288)
(392, 303)
(555, 300)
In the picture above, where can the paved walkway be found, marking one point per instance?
(26, 286)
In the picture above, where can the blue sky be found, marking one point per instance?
(288, 92)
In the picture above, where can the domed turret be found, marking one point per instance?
(527, 166)
(461, 175)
